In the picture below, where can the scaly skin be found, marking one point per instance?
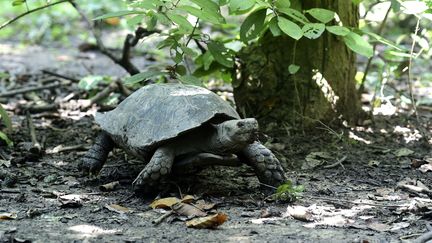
(265, 164)
(95, 158)
(159, 167)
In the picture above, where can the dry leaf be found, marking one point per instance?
(109, 186)
(117, 208)
(403, 152)
(70, 201)
(379, 227)
(209, 222)
(204, 205)
(187, 210)
(425, 168)
(7, 216)
(165, 203)
(300, 213)
(188, 199)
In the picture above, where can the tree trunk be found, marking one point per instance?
(263, 87)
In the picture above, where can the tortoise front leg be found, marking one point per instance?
(159, 166)
(95, 158)
(265, 164)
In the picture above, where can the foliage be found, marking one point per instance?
(53, 24)
(7, 122)
(287, 192)
(203, 25)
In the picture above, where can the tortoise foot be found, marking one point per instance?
(157, 169)
(265, 164)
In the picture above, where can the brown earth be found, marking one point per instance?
(360, 183)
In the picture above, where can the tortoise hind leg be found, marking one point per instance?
(265, 164)
(159, 166)
(95, 158)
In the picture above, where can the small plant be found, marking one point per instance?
(287, 192)
(7, 122)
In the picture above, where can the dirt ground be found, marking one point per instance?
(363, 184)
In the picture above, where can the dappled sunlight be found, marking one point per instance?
(326, 89)
(85, 230)
(358, 138)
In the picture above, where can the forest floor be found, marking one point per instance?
(362, 184)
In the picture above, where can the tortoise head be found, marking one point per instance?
(236, 134)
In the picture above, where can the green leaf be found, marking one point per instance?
(338, 30)
(294, 14)
(252, 25)
(207, 4)
(4, 75)
(142, 77)
(357, 2)
(18, 2)
(147, 4)
(293, 69)
(90, 82)
(151, 22)
(205, 60)
(5, 118)
(384, 40)
(220, 53)
(5, 138)
(178, 58)
(182, 22)
(189, 79)
(322, 15)
(136, 20)
(283, 3)
(313, 31)
(204, 14)
(118, 14)
(274, 28)
(290, 28)
(189, 51)
(239, 6)
(359, 45)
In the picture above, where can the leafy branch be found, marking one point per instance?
(32, 11)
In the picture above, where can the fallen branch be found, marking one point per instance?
(357, 203)
(339, 162)
(30, 89)
(36, 147)
(130, 41)
(31, 11)
(61, 148)
(59, 75)
(424, 237)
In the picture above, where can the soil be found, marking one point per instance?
(364, 184)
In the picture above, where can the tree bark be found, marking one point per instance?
(263, 87)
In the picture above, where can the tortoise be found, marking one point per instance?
(177, 127)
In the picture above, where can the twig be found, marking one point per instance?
(29, 12)
(424, 238)
(10, 191)
(102, 94)
(413, 102)
(339, 162)
(357, 203)
(36, 147)
(162, 218)
(59, 75)
(30, 89)
(380, 31)
(130, 41)
(40, 108)
(61, 148)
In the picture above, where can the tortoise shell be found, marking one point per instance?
(159, 112)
